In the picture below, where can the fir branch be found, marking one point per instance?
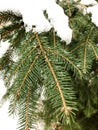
(66, 59)
(9, 15)
(94, 49)
(85, 48)
(65, 107)
(8, 30)
(27, 42)
(26, 75)
(19, 65)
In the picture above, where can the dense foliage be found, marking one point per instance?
(50, 80)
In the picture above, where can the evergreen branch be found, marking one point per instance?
(65, 58)
(27, 108)
(9, 15)
(85, 49)
(26, 43)
(26, 75)
(68, 6)
(8, 30)
(65, 108)
(94, 50)
(20, 64)
(20, 35)
(13, 102)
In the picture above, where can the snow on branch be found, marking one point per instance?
(33, 14)
(88, 2)
(94, 11)
(90, 6)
